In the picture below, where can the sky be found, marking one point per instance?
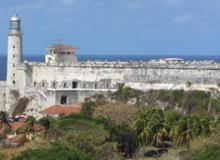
(116, 27)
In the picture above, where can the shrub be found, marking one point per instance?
(118, 112)
(56, 152)
(89, 106)
(211, 153)
(215, 104)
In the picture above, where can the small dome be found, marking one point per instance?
(15, 18)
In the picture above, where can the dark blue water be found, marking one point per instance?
(40, 58)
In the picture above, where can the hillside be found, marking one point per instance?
(127, 124)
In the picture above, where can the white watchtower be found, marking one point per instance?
(14, 56)
(14, 50)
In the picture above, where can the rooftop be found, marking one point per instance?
(15, 17)
(15, 125)
(62, 47)
(58, 110)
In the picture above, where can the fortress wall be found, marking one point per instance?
(173, 76)
(126, 74)
(49, 74)
(95, 78)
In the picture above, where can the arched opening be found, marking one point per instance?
(35, 83)
(13, 82)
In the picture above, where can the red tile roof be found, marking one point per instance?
(62, 47)
(15, 125)
(57, 110)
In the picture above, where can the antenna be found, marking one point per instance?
(57, 40)
(15, 12)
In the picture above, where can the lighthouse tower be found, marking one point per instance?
(14, 57)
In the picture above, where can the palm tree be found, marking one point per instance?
(30, 125)
(4, 122)
(206, 125)
(45, 122)
(159, 136)
(149, 127)
(182, 132)
(170, 119)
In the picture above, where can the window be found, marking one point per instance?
(13, 74)
(107, 86)
(63, 100)
(95, 86)
(43, 84)
(64, 85)
(35, 84)
(13, 65)
(74, 84)
(14, 47)
(68, 53)
(14, 55)
(13, 82)
(84, 85)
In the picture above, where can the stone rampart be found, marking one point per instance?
(204, 72)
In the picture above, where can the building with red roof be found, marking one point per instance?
(60, 53)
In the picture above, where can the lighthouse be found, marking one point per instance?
(14, 57)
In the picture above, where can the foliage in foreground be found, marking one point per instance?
(211, 153)
(155, 127)
(106, 131)
(56, 152)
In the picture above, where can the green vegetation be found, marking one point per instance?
(211, 153)
(135, 125)
(56, 152)
(156, 127)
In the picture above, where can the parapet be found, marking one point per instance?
(161, 63)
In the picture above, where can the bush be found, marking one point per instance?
(88, 108)
(56, 152)
(2, 156)
(120, 113)
(86, 139)
(210, 153)
(215, 104)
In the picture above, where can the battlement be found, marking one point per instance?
(161, 63)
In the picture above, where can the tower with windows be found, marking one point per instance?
(14, 55)
(14, 50)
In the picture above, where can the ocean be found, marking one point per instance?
(40, 58)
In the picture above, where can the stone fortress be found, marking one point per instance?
(63, 80)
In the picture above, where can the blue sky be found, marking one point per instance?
(160, 27)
